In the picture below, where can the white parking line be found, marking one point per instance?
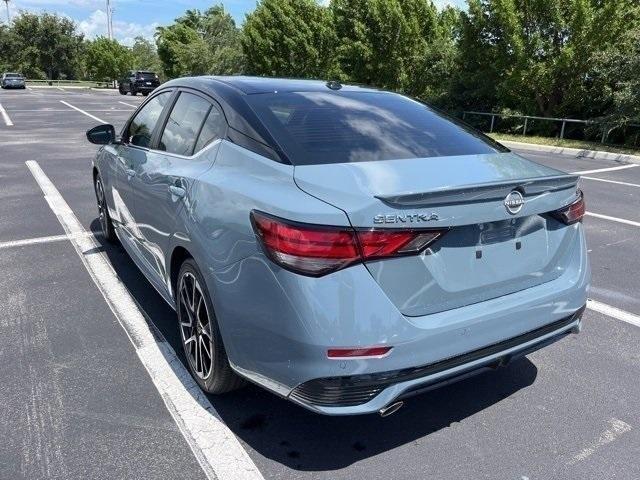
(127, 104)
(613, 312)
(37, 240)
(612, 181)
(610, 169)
(215, 446)
(82, 111)
(616, 428)
(613, 219)
(5, 116)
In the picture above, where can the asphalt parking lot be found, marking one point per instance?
(77, 399)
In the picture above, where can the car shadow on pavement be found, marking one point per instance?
(288, 434)
(302, 440)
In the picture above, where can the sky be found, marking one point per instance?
(132, 18)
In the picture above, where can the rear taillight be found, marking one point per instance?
(316, 250)
(572, 213)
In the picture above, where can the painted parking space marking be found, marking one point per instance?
(615, 428)
(5, 116)
(82, 111)
(613, 219)
(37, 241)
(613, 312)
(127, 104)
(215, 446)
(610, 169)
(612, 181)
(59, 110)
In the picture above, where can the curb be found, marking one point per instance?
(71, 87)
(576, 152)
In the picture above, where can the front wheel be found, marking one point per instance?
(121, 90)
(106, 225)
(132, 90)
(201, 340)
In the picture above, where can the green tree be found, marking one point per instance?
(290, 38)
(48, 44)
(106, 59)
(200, 43)
(385, 42)
(535, 55)
(144, 56)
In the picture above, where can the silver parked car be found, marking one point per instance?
(12, 80)
(343, 247)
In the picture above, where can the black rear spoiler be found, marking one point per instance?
(482, 192)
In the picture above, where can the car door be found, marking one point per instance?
(131, 154)
(185, 148)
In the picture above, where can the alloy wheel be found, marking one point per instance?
(102, 208)
(195, 326)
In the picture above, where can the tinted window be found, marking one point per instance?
(141, 127)
(340, 127)
(183, 125)
(214, 128)
(13, 75)
(147, 75)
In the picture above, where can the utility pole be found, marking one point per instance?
(6, 4)
(110, 30)
(109, 20)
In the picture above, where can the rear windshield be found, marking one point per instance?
(343, 127)
(13, 75)
(147, 75)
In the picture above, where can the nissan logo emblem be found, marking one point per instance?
(514, 202)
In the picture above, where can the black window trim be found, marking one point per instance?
(125, 130)
(164, 118)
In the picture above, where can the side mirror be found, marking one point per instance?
(102, 134)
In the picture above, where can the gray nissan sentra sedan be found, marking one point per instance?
(343, 247)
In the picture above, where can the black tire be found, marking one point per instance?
(193, 305)
(106, 225)
(144, 94)
(121, 90)
(132, 90)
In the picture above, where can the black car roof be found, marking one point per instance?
(231, 93)
(256, 85)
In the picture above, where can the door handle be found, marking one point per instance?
(130, 173)
(177, 191)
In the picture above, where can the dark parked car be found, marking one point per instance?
(12, 80)
(139, 81)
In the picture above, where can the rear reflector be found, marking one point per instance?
(372, 352)
(572, 213)
(316, 250)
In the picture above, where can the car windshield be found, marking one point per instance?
(13, 75)
(342, 127)
(147, 75)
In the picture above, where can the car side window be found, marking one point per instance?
(184, 124)
(214, 128)
(142, 126)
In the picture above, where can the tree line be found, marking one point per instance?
(560, 58)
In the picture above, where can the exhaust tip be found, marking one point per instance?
(390, 409)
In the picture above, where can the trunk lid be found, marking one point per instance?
(487, 251)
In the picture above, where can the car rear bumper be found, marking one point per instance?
(279, 339)
(141, 87)
(368, 393)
